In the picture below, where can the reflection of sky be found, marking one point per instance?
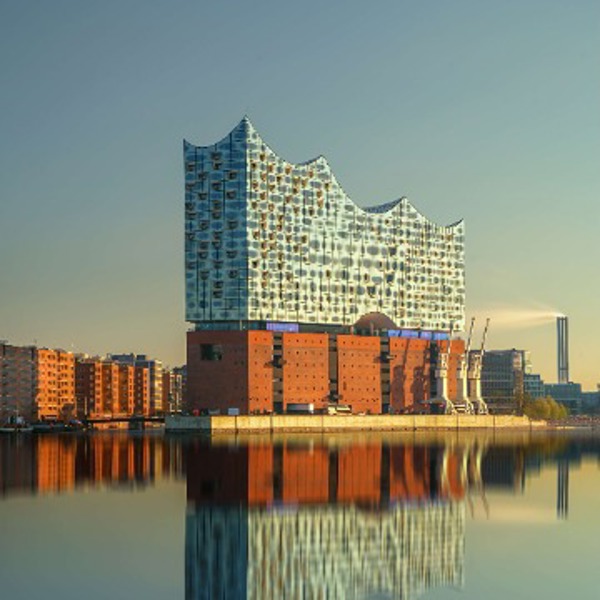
(94, 545)
(511, 556)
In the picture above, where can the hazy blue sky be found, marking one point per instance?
(475, 109)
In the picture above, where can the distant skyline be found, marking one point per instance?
(487, 112)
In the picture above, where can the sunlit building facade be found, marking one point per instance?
(154, 369)
(55, 392)
(106, 389)
(268, 240)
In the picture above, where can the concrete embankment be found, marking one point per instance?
(318, 423)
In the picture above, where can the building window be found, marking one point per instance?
(211, 352)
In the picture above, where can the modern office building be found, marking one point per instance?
(296, 294)
(569, 394)
(533, 385)
(591, 401)
(502, 378)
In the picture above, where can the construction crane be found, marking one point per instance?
(463, 404)
(474, 374)
(441, 378)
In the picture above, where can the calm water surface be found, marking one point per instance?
(117, 515)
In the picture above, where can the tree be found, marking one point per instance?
(545, 408)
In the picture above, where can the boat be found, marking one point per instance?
(58, 426)
(16, 424)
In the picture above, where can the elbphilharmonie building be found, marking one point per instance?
(298, 296)
(271, 241)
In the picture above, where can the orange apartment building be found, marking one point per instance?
(36, 383)
(265, 371)
(55, 391)
(108, 389)
(47, 384)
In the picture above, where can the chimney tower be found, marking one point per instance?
(562, 330)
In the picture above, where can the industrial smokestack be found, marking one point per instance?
(562, 330)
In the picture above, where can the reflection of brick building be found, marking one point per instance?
(264, 371)
(58, 463)
(55, 464)
(370, 475)
(17, 465)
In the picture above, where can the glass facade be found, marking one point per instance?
(268, 240)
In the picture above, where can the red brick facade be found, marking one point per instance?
(264, 372)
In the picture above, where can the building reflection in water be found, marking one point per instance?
(60, 463)
(310, 521)
(303, 517)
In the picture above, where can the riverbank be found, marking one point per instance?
(215, 425)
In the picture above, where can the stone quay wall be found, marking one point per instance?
(319, 423)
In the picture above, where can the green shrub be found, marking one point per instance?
(545, 408)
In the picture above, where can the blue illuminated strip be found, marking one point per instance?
(286, 327)
(416, 334)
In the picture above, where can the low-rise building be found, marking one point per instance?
(533, 385)
(503, 377)
(568, 394)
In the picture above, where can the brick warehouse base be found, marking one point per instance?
(264, 371)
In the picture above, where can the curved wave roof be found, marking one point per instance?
(267, 239)
(246, 126)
